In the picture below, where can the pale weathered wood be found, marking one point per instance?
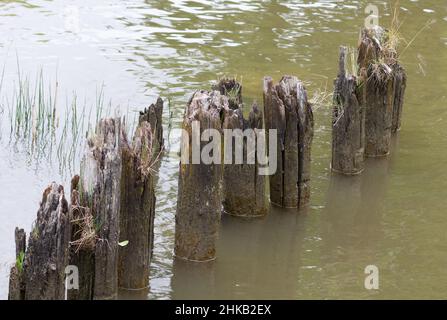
(100, 185)
(348, 123)
(199, 202)
(288, 111)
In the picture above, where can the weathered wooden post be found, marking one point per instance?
(39, 272)
(384, 86)
(199, 202)
(137, 210)
(348, 123)
(82, 244)
(153, 114)
(288, 111)
(100, 191)
(243, 186)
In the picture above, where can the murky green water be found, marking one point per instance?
(393, 216)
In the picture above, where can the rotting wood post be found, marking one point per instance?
(287, 110)
(82, 244)
(400, 85)
(137, 210)
(243, 186)
(348, 123)
(39, 272)
(199, 202)
(154, 114)
(16, 279)
(47, 251)
(100, 191)
(378, 95)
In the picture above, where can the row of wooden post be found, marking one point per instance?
(367, 110)
(113, 198)
(106, 231)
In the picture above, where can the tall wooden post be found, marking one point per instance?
(199, 202)
(288, 111)
(348, 123)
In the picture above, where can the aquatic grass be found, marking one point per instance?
(42, 128)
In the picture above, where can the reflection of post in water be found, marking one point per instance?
(354, 208)
(260, 259)
(193, 280)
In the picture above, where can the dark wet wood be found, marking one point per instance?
(16, 277)
(348, 123)
(47, 252)
(137, 209)
(287, 110)
(199, 202)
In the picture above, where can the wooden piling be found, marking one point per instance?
(39, 271)
(82, 244)
(376, 72)
(348, 123)
(243, 186)
(288, 111)
(137, 210)
(199, 202)
(153, 114)
(100, 185)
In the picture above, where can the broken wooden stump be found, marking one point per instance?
(288, 111)
(384, 83)
(39, 271)
(348, 123)
(199, 202)
(243, 185)
(137, 210)
(82, 244)
(16, 277)
(100, 191)
(154, 114)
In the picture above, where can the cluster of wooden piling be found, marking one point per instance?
(237, 188)
(106, 231)
(367, 107)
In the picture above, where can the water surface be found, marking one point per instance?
(392, 216)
